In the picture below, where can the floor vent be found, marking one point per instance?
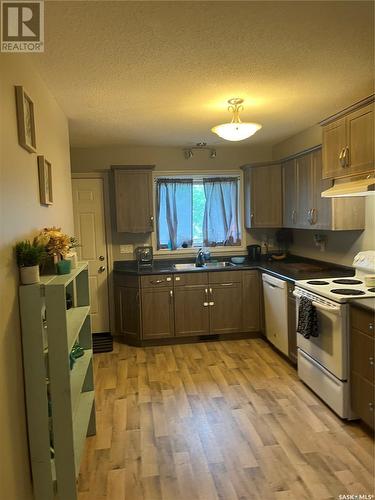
(102, 342)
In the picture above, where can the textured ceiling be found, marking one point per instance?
(160, 73)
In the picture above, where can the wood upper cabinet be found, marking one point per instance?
(290, 193)
(362, 363)
(263, 196)
(306, 191)
(157, 312)
(251, 301)
(348, 141)
(134, 199)
(304, 207)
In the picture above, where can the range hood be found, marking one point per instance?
(359, 187)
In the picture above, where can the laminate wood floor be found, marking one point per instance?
(219, 420)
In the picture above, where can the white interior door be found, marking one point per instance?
(89, 224)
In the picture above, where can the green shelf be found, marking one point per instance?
(80, 424)
(75, 317)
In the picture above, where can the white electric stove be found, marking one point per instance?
(346, 288)
(323, 361)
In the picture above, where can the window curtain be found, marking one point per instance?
(221, 221)
(175, 209)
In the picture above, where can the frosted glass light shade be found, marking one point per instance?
(236, 131)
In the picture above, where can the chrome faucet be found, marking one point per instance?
(199, 260)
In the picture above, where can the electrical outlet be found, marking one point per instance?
(126, 248)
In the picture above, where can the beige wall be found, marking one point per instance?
(165, 159)
(21, 216)
(341, 245)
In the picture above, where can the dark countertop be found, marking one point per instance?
(368, 304)
(291, 269)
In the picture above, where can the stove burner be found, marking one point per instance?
(347, 291)
(371, 289)
(347, 281)
(318, 282)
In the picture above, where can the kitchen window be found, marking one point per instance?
(194, 211)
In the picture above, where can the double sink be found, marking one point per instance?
(208, 265)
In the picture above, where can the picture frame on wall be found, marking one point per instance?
(25, 120)
(45, 181)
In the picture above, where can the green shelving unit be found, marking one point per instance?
(60, 401)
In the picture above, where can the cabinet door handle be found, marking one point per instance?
(314, 216)
(151, 220)
(211, 303)
(371, 361)
(205, 303)
(346, 157)
(170, 295)
(294, 216)
(341, 158)
(226, 284)
(371, 326)
(371, 406)
(156, 282)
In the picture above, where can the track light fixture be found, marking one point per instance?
(189, 152)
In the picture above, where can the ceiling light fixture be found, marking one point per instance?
(236, 130)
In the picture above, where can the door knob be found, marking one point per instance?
(101, 257)
(101, 269)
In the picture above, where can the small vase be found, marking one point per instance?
(29, 275)
(63, 266)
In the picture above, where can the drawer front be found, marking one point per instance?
(363, 320)
(362, 355)
(225, 277)
(156, 281)
(196, 278)
(362, 399)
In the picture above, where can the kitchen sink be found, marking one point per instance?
(209, 265)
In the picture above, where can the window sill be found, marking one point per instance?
(189, 252)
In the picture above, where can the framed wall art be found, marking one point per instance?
(45, 181)
(25, 120)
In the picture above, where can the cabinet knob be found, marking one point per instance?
(371, 406)
(371, 326)
(177, 278)
(371, 361)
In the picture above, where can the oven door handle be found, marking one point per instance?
(333, 310)
(318, 305)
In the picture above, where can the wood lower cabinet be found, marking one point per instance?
(154, 307)
(225, 307)
(362, 355)
(157, 313)
(251, 301)
(292, 325)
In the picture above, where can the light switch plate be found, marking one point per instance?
(126, 248)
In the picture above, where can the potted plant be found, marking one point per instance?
(57, 245)
(29, 256)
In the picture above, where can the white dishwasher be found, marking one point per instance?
(275, 293)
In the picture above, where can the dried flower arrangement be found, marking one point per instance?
(56, 243)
